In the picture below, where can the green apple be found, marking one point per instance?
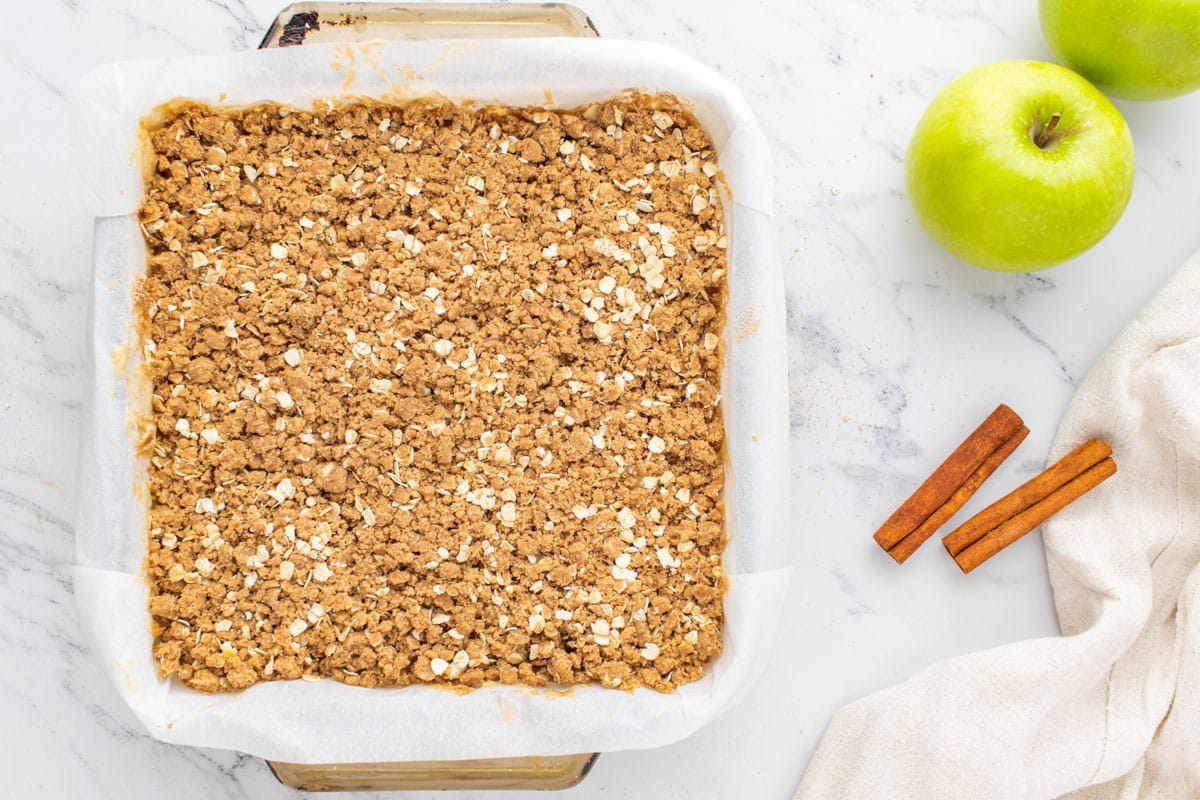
(1138, 49)
(1019, 165)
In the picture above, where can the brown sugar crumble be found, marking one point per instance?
(435, 394)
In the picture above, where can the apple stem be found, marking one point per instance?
(1044, 134)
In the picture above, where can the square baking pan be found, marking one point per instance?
(111, 538)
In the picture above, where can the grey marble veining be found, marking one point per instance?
(896, 351)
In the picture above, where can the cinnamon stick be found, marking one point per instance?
(1031, 504)
(951, 484)
(909, 544)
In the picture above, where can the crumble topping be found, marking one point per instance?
(435, 394)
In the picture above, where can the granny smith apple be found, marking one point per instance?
(1019, 165)
(1138, 49)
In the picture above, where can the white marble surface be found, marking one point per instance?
(897, 350)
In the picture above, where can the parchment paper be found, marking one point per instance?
(327, 721)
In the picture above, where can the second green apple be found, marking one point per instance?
(1138, 49)
(1020, 165)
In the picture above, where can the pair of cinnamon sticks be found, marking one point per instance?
(953, 483)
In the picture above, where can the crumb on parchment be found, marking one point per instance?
(435, 394)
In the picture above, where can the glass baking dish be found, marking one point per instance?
(302, 23)
(327, 731)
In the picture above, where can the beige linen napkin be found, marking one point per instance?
(1110, 709)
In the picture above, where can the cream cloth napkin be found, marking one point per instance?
(1110, 709)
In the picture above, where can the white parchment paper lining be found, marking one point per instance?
(327, 721)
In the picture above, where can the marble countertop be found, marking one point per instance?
(896, 351)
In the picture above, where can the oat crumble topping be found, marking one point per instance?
(435, 394)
